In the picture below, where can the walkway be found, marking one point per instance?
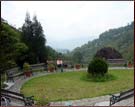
(83, 102)
(94, 102)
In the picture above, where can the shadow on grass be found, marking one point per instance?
(107, 77)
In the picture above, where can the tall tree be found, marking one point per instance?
(32, 33)
(38, 39)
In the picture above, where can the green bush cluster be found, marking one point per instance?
(98, 67)
(26, 67)
(107, 77)
(51, 66)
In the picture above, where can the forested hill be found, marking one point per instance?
(122, 39)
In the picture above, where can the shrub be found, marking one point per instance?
(26, 67)
(51, 67)
(107, 77)
(98, 67)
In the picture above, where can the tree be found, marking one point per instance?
(21, 54)
(77, 56)
(51, 53)
(108, 53)
(38, 39)
(121, 39)
(10, 46)
(32, 35)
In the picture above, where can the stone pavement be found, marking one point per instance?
(96, 101)
(21, 80)
(127, 102)
(82, 102)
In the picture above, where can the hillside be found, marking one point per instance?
(122, 39)
(63, 51)
(11, 46)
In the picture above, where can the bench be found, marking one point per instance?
(5, 101)
(41, 66)
(11, 75)
(14, 72)
(28, 101)
(123, 95)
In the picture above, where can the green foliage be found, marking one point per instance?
(3, 78)
(98, 67)
(51, 53)
(33, 37)
(99, 78)
(26, 67)
(51, 67)
(20, 48)
(77, 57)
(10, 44)
(122, 39)
(25, 44)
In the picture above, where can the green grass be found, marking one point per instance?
(98, 78)
(73, 85)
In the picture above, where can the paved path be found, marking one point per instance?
(127, 102)
(83, 102)
(94, 101)
(21, 80)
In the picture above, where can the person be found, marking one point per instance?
(62, 67)
(60, 64)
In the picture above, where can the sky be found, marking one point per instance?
(69, 24)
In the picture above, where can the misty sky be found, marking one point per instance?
(69, 24)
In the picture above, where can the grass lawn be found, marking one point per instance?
(70, 85)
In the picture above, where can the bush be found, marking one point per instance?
(51, 67)
(98, 67)
(107, 77)
(26, 67)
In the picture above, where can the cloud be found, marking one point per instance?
(70, 23)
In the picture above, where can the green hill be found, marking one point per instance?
(122, 39)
